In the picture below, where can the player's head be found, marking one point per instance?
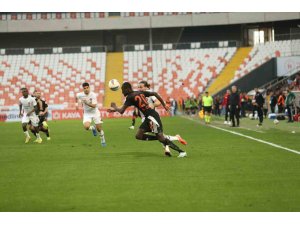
(126, 88)
(37, 94)
(24, 92)
(86, 88)
(206, 93)
(143, 85)
(233, 89)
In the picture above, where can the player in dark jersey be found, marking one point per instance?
(152, 122)
(42, 114)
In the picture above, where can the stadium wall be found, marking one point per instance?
(255, 78)
(202, 19)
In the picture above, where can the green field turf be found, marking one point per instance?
(223, 172)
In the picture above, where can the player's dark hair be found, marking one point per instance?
(126, 85)
(23, 89)
(145, 83)
(85, 84)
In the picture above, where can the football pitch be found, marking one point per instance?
(223, 171)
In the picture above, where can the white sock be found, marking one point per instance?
(38, 135)
(171, 138)
(101, 134)
(26, 134)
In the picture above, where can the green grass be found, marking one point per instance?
(223, 172)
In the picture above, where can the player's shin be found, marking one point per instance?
(172, 145)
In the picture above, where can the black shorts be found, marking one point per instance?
(207, 109)
(152, 123)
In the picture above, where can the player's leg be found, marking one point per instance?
(87, 120)
(133, 120)
(32, 129)
(177, 137)
(98, 123)
(35, 123)
(232, 115)
(44, 128)
(25, 121)
(260, 115)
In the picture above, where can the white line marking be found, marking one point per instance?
(240, 127)
(249, 137)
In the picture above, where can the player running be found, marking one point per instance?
(153, 103)
(90, 112)
(42, 114)
(152, 122)
(28, 109)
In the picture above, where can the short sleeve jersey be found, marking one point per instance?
(139, 100)
(207, 101)
(90, 98)
(27, 103)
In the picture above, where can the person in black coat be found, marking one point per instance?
(258, 104)
(234, 106)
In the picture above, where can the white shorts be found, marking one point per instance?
(33, 118)
(96, 118)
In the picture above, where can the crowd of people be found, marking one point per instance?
(236, 104)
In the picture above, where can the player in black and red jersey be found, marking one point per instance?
(152, 123)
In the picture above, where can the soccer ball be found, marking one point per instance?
(114, 85)
(276, 122)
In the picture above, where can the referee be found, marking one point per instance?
(234, 106)
(207, 102)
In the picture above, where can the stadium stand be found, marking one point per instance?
(58, 76)
(262, 53)
(175, 73)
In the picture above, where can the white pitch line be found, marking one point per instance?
(240, 127)
(249, 137)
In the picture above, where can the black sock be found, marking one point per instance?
(147, 137)
(172, 145)
(46, 131)
(133, 122)
(33, 131)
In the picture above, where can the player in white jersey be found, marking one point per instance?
(153, 103)
(28, 109)
(88, 99)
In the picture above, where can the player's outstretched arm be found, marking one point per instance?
(159, 99)
(114, 108)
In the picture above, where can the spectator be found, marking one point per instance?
(225, 104)
(234, 106)
(289, 103)
(217, 105)
(280, 102)
(258, 104)
(273, 101)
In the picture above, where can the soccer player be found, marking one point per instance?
(207, 102)
(153, 103)
(28, 105)
(90, 112)
(152, 122)
(42, 114)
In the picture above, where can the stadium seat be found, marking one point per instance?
(58, 76)
(262, 53)
(176, 73)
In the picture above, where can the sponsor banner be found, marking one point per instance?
(287, 66)
(78, 114)
(13, 116)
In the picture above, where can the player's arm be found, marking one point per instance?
(20, 107)
(35, 109)
(147, 94)
(156, 103)
(89, 104)
(114, 108)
